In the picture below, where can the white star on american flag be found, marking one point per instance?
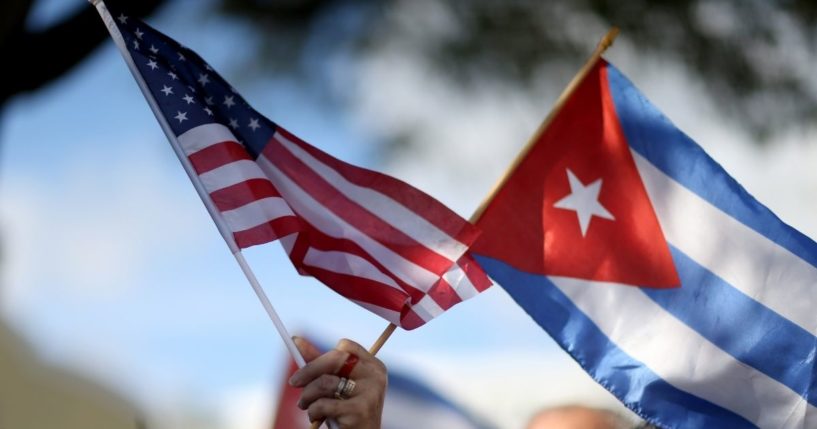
(204, 79)
(181, 57)
(172, 75)
(122, 18)
(187, 98)
(209, 112)
(152, 64)
(254, 124)
(167, 90)
(209, 100)
(234, 124)
(138, 33)
(181, 116)
(135, 44)
(154, 49)
(228, 101)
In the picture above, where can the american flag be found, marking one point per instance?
(374, 239)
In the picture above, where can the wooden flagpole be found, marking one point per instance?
(603, 45)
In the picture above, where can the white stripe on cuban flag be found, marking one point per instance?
(743, 323)
(751, 263)
(647, 332)
(759, 268)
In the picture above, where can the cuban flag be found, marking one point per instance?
(671, 285)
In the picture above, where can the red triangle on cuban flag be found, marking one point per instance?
(575, 205)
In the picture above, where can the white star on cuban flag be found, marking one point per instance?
(584, 200)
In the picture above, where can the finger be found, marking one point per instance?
(327, 363)
(372, 365)
(321, 387)
(307, 349)
(325, 408)
(350, 346)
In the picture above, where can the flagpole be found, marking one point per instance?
(604, 43)
(226, 234)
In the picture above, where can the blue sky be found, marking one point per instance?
(113, 266)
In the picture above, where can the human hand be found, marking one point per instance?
(363, 406)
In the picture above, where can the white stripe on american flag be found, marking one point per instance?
(427, 308)
(288, 242)
(231, 174)
(256, 213)
(393, 213)
(389, 315)
(333, 226)
(347, 263)
(460, 282)
(250, 215)
(204, 136)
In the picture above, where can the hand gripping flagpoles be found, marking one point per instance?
(205, 197)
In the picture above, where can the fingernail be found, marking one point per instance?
(293, 381)
(301, 404)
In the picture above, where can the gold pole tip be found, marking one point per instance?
(608, 38)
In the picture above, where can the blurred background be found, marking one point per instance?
(119, 299)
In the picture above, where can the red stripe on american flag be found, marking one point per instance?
(240, 194)
(411, 320)
(267, 232)
(312, 237)
(217, 155)
(478, 278)
(444, 295)
(415, 200)
(361, 289)
(353, 213)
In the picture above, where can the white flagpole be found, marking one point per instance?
(205, 197)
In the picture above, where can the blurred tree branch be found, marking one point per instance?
(753, 56)
(35, 58)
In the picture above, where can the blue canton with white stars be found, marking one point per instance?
(189, 92)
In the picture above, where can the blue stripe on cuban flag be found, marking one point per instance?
(735, 345)
(749, 282)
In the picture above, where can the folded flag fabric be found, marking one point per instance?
(671, 285)
(372, 238)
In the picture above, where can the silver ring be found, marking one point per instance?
(348, 388)
(341, 387)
